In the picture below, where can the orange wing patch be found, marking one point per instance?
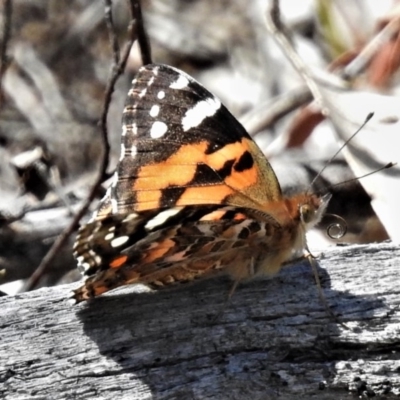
(117, 262)
(240, 186)
(159, 251)
(177, 170)
(219, 214)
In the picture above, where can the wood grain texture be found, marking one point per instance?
(273, 341)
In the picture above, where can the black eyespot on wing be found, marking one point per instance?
(170, 195)
(226, 170)
(244, 233)
(245, 162)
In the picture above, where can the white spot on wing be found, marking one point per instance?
(124, 129)
(180, 83)
(129, 129)
(81, 260)
(114, 205)
(203, 109)
(161, 94)
(154, 110)
(117, 242)
(96, 257)
(150, 82)
(158, 129)
(107, 195)
(142, 93)
(109, 236)
(122, 155)
(130, 217)
(160, 218)
(133, 151)
(115, 180)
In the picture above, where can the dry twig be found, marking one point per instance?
(4, 44)
(276, 27)
(267, 114)
(360, 63)
(62, 239)
(142, 37)
(111, 30)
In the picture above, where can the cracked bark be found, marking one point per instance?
(273, 340)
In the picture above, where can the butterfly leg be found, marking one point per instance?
(296, 260)
(228, 300)
(249, 271)
(311, 260)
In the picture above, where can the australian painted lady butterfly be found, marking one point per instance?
(193, 195)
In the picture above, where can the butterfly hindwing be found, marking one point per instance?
(159, 251)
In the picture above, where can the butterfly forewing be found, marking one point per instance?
(181, 146)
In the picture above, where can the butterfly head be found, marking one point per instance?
(312, 208)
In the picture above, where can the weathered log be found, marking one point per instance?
(273, 340)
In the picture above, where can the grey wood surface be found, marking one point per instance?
(274, 340)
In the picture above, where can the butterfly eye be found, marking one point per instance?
(306, 213)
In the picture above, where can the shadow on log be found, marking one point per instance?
(273, 341)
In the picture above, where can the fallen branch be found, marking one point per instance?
(273, 340)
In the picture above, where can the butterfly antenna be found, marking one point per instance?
(387, 166)
(369, 116)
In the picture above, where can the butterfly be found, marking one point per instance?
(193, 196)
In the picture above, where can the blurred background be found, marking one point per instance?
(57, 62)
